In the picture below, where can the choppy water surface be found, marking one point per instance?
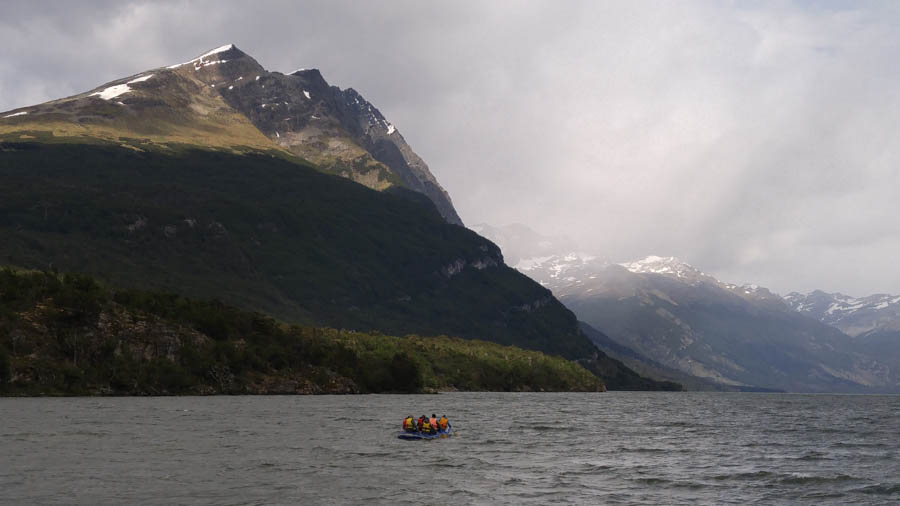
(613, 448)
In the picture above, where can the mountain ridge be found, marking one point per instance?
(682, 318)
(219, 99)
(854, 316)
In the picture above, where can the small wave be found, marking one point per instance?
(880, 489)
(588, 468)
(813, 456)
(845, 444)
(802, 479)
(544, 428)
(372, 454)
(653, 481)
(757, 475)
(666, 483)
(645, 450)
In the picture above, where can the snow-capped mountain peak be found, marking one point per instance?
(207, 58)
(662, 265)
(556, 264)
(561, 271)
(853, 315)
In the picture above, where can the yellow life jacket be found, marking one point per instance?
(426, 426)
(443, 423)
(408, 423)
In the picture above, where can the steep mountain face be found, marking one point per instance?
(162, 181)
(873, 321)
(338, 130)
(224, 98)
(681, 318)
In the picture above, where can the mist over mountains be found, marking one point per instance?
(674, 315)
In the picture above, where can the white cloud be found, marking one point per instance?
(753, 140)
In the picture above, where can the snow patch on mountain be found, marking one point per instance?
(559, 272)
(119, 89)
(140, 79)
(13, 115)
(112, 92)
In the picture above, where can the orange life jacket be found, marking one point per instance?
(443, 423)
(433, 422)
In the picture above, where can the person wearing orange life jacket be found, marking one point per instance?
(409, 425)
(443, 423)
(434, 422)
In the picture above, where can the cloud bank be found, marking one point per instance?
(753, 140)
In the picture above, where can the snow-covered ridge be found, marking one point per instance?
(835, 306)
(855, 316)
(560, 271)
(555, 263)
(662, 265)
(199, 61)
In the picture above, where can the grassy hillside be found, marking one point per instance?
(169, 108)
(65, 335)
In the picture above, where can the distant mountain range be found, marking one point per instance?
(215, 178)
(673, 316)
(854, 316)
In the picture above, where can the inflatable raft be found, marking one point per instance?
(441, 434)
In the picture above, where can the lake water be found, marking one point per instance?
(610, 448)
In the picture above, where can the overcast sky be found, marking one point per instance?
(755, 140)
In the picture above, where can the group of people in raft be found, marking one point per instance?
(426, 425)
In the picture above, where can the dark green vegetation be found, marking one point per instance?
(66, 335)
(264, 233)
(267, 234)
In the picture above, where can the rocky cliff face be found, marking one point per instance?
(338, 130)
